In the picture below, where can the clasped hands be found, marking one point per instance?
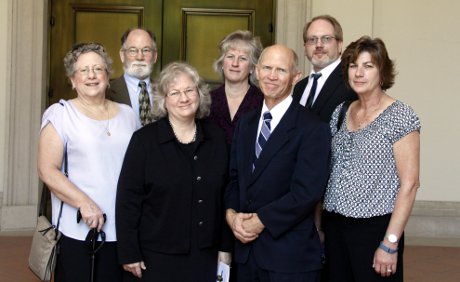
(245, 226)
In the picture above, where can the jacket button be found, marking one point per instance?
(200, 223)
(200, 201)
(195, 158)
(198, 178)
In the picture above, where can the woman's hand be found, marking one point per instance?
(385, 263)
(92, 215)
(135, 268)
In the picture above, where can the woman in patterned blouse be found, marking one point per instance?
(375, 172)
(239, 52)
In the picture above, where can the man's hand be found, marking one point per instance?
(253, 224)
(235, 221)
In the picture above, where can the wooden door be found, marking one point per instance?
(187, 30)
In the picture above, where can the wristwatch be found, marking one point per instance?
(392, 238)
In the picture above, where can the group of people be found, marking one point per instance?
(283, 179)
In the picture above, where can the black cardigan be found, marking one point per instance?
(159, 185)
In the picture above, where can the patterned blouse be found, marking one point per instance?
(220, 113)
(364, 181)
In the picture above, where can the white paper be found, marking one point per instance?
(223, 272)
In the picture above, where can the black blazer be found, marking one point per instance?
(289, 179)
(118, 91)
(160, 186)
(333, 93)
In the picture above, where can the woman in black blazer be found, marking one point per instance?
(169, 214)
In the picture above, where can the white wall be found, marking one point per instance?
(422, 36)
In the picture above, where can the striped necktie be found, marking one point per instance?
(144, 104)
(264, 134)
(311, 96)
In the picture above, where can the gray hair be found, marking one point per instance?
(167, 76)
(252, 45)
(82, 48)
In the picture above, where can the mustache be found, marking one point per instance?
(139, 64)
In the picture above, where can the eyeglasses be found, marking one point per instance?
(132, 52)
(96, 69)
(189, 92)
(326, 39)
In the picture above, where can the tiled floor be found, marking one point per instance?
(422, 264)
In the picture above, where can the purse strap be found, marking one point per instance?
(44, 196)
(343, 112)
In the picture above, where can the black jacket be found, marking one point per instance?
(160, 187)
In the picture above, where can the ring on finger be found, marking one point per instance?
(388, 270)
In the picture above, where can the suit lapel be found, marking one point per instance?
(120, 91)
(247, 148)
(332, 82)
(299, 88)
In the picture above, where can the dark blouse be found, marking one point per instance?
(220, 113)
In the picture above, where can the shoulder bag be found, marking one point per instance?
(43, 251)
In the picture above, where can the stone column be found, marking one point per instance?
(291, 16)
(25, 99)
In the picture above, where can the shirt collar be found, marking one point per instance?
(326, 72)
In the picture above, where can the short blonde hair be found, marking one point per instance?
(168, 76)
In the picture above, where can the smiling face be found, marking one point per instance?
(182, 98)
(277, 74)
(236, 64)
(363, 74)
(322, 54)
(140, 64)
(90, 77)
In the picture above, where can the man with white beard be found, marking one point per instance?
(138, 54)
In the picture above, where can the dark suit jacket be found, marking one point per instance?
(118, 91)
(289, 179)
(160, 186)
(333, 93)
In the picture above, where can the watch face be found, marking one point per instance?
(392, 238)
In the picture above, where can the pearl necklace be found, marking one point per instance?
(178, 139)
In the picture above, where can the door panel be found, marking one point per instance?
(205, 23)
(202, 30)
(87, 21)
(188, 30)
(102, 21)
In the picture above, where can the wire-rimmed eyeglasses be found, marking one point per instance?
(324, 39)
(96, 69)
(146, 51)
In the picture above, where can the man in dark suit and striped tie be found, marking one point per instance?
(278, 172)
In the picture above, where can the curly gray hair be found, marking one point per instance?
(82, 48)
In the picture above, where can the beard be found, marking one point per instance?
(138, 69)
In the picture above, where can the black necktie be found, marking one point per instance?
(311, 96)
(144, 104)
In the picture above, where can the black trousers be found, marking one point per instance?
(251, 272)
(74, 262)
(350, 244)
